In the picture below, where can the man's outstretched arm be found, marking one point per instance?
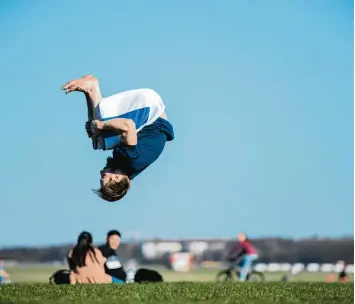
(123, 126)
(89, 85)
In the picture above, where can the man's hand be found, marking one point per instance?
(123, 126)
(97, 126)
(93, 128)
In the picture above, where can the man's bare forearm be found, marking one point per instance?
(126, 128)
(89, 104)
(123, 126)
(119, 125)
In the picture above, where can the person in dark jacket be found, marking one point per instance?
(113, 266)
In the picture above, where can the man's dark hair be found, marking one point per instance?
(113, 232)
(113, 191)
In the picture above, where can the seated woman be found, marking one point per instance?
(87, 264)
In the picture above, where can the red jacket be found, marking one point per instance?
(243, 248)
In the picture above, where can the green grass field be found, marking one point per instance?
(184, 293)
(194, 287)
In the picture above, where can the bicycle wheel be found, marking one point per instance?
(256, 276)
(225, 275)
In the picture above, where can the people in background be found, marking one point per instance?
(343, 276)
(245, 253)
(87, 264)
(4, 276)
(113, 266)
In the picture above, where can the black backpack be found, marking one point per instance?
(60, 277)
(147, 276)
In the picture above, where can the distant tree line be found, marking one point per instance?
(271, 250)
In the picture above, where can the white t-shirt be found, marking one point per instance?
(143, 106)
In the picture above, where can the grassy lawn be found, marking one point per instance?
(188, 292)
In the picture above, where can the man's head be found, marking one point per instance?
(114, 184)
(242, 237)
(113, 239)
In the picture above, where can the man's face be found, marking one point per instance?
(241, 237)
(110, 175)
(114, 241)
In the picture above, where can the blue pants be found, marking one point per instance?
(245, 263)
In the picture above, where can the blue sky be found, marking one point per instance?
(260, 94)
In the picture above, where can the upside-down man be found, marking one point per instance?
(132, 123)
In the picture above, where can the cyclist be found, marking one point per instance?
(246, 253)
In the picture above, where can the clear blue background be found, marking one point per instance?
(260, 94)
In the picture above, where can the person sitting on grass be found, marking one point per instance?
(4, 277)
(87, 264)
(113, 266)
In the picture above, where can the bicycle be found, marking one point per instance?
(232, 273)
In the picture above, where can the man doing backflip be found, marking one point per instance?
(132, 123)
